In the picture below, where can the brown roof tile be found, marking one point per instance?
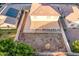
(74, 16)
(44, 25)
(43, 10)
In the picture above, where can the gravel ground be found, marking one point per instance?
(44, 42)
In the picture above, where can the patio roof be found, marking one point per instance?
(44, 25)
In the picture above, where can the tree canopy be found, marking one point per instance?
(9, 47)
(75, 46)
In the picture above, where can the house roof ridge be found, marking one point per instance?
(36, 9)
(50, 9)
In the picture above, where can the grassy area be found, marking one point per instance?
(7, 33)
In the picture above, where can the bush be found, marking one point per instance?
(75, 46)
(9, 47)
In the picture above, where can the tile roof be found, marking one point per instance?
(44, 25)
(43, 10)
(74, 16)
(6, 19)
(12, 12)
(11, 20)
(10, 16)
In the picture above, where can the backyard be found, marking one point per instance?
(44, 42)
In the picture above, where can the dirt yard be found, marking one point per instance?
(44, 42)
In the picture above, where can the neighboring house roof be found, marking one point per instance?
(43, 10)
(12, 12)
(9, 20)
(74, 16)
(9, 17)
(16, 6)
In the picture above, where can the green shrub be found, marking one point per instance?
(75, 46)
(9, 47)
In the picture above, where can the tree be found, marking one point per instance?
(75, 46)
(9, 47)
